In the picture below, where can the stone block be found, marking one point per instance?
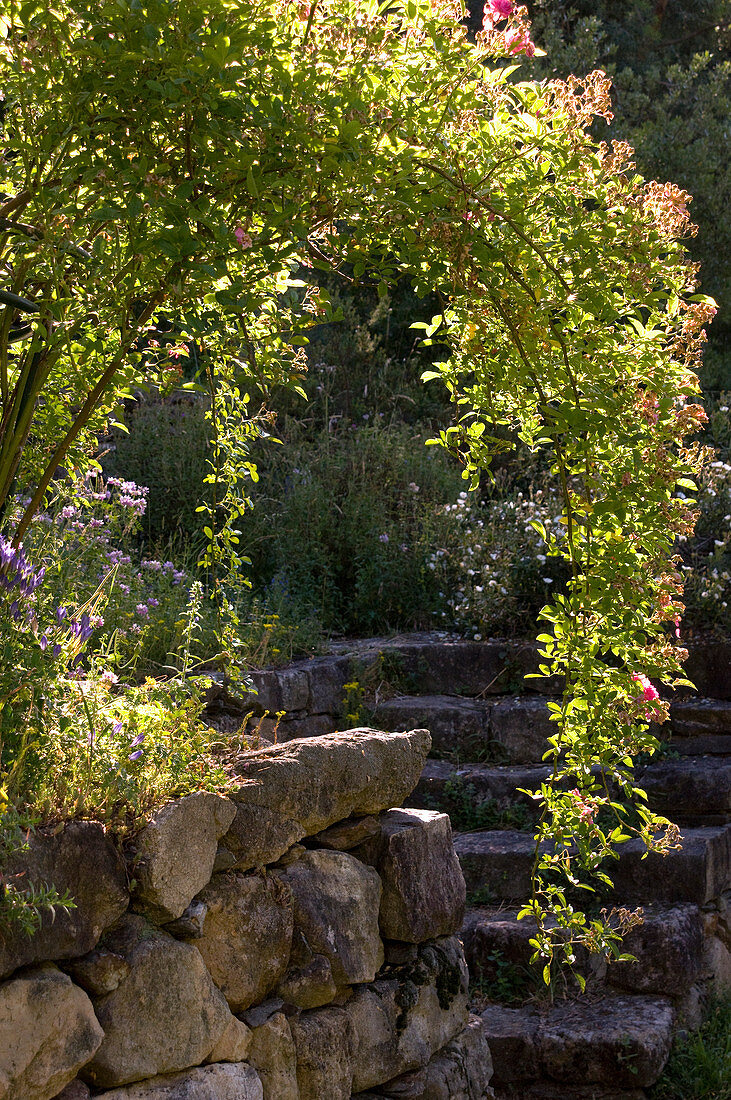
(173, 857)
(459, 727)
(668, 946)
(309, 986)
(48, 1031)
(246, 937)
(167, 1014)
(336, 901)
(401, 1021)
(521, 728)
(219, 1082)
(99, 972)
(282, 689)
(324, 1041)
(274, 1056)
(423, 887)
(462, 1069)
(233, 1046)
(619, 1042)
(298, 789)
(79, 859)
(346, 835)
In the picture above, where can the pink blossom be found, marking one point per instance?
(677, 627)
(495, 10)
(649, 693)
(519, 42)
(242, 237)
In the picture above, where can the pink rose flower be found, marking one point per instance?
(519, 42)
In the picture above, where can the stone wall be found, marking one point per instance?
(293, 940)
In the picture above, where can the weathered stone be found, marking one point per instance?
(327, 678)
(462, 1069)
(224, 860)
(668, 946)
(458, 727)
(174, 855)
(273, 1055)
(290, 856)
(409, 1086)
(165, 1016)
(99, 972)
(219, 1082)
(298, 789)
(521, 727)
(700, 718)
(423, 887)
(336, 901)
(233, 1046)
(500, 862)
(76, 1090)
(348, 834)
(189, 926)
(618, 1041)
(512, 1035)
(309, 986)
(623, 1041)
(306, 725)
(325, 1042)
(48, 1030)
(80, 860)
(401, 1021)
(696, 873)
(277, 690)
(693, 791)
(247, 935)
(259, 1014)
(497, 861)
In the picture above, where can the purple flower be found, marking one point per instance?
(117, 727)
(383, 537)
(135, 755)
(43, 642)
(142, 610)
(152, 602)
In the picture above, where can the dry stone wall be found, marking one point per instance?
(295, 939)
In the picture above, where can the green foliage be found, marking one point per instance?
(165, 448)
(23, 903)
(468, 812)
(345, 524)
(699, 1067)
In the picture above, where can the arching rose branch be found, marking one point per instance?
(180, 161)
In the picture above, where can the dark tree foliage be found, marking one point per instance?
(671, 69)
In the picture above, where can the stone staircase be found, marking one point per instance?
(612, 1042)
(489, 727)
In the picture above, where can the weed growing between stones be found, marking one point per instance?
(699, 1067)
(467, 812)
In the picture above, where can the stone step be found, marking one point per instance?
(691, 791)
(514, 729)
(668, 947)
(616, 1042)
(508, 731)
(497, 864)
